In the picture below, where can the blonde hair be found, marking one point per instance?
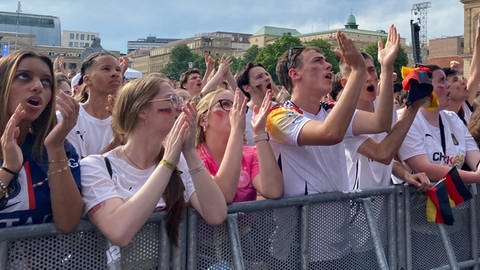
(204, 104)
(132, 98)
(47, 119)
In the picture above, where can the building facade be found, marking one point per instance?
(46, 29)
(78, 39)
(471, 10)
(216, 43)
(147, 43)
(268, 34)
(441, 51)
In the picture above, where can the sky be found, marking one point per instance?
(118, 21)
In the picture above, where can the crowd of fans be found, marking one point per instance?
(113, 151)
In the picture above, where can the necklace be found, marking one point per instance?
(131, 161)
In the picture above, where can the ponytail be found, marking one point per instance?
(175, 204)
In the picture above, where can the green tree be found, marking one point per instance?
(180, 57)
(401, 60)
(326, 48)
(269, 55)
(248, 56)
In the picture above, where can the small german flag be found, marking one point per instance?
(456, 189)
(438, 205)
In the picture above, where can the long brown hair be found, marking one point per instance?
(47, 119)
(132, 98)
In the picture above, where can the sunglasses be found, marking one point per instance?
(176, 101)
(292, 55)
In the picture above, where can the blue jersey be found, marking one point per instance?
(29, 194)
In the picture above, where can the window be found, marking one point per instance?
(76, 44)
(88, 37)
(76, 36)
(70, 44)
(82, 37)
(72, 35)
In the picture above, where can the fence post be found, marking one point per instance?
(377, 242)
(191, 240)
(401, 223)
(391, 225)
(235, 244)
(3, 255)
(473, 225)
(164, 247)
(448, 247)
(304, 236)
(179, 253)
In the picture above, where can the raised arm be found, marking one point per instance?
(269, 180)
(228, 173)
(120, 220)
(474, 80)
(67, 203)
(387, 149)
(381, 119)
(223, 70)
(210, 67)
(207, 199)
(333, 129)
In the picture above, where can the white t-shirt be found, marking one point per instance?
(126, 180)
(90, 135)
(363, 172)
(306, 169)
(425, 139)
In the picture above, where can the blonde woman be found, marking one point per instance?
(240, 171)
(125, 185)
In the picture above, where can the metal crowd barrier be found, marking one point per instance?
(375, 229)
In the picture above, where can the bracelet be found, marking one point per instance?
(14, 174)
(58, 161)
(261, 137)
(3, 190)
(64, 169)
(168, 164)
(196, 170)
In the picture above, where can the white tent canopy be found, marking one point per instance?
(131, 73)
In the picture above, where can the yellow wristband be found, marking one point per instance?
(168, 164)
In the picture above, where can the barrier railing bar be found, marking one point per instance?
(448, 247)
(164, 248)
(237, 255)
(304, 236)
(408, 231)
(400, 231)
(377, 242)
(3, 255)
(191, 240)
(308, 199)
(462, 265)
(473, 225)
(392, 240)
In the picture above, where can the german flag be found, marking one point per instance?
(456, 189)
(438, 205)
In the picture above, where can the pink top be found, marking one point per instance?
(249, 169)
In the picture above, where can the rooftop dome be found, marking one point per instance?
(351, 22)
(351, 19)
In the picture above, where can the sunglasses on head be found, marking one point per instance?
(292, 55)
